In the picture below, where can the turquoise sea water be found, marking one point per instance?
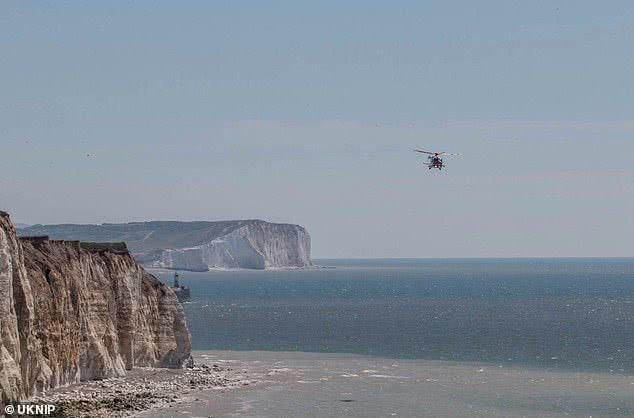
(555, 313)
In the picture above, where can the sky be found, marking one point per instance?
(307, 112)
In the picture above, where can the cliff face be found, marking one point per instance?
(252, 244)
(256, 245)
(68, 314)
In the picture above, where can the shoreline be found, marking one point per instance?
(536, 367)
(331, 384)
(273, 383)
(240, 270)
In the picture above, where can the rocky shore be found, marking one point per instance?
(142, 389)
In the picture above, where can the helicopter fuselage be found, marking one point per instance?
(434, 159)
(435, 162)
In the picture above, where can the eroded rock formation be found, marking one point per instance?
(69, 314)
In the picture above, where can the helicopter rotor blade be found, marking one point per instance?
(424, 152)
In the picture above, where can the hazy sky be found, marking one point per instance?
(306, 112)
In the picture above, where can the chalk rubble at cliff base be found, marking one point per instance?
(142, 389)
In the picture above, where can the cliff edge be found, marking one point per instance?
(69, 314)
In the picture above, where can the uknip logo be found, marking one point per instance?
(29, 409)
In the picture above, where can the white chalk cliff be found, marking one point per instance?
(68, 314)
(198, 246)
(257, 245)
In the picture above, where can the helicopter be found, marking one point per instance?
(434, 159)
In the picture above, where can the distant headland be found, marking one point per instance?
(196, 246)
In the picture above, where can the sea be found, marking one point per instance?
(563, 314)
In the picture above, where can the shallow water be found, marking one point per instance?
(566, 314)
(336, 385)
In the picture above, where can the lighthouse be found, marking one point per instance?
(182, 292)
